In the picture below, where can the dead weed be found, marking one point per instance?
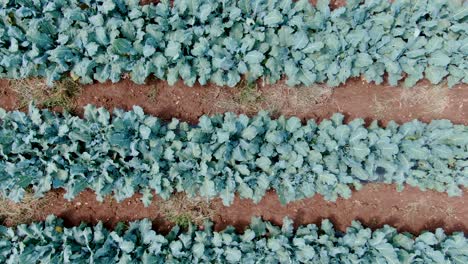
(23, 212)
(62, 94)
(280, 98)
(427, 99)
(183, 210)
(433, 99)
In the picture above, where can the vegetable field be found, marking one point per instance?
(233, 131)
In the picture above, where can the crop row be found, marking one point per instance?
(224, 154)
(51, 242)
(220, 41)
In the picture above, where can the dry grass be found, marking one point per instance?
(249, 95)
(183, 210)
(427, 99)
(249, 98)
(245, 97)
(296, 99)
(62, 94)
(433, 99)
(153, 94)
(380, 108)
(415, 208)
(24, 212)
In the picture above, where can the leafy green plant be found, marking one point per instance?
(223, 41)
(223, 154)
(248, 95)
(182, 220)
(264, 242)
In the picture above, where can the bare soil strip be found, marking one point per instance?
(355, 99)
(375, 205)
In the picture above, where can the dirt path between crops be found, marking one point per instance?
(375, 205)
(355, 99)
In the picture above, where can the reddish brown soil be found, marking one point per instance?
(355, 99)
(375, 205)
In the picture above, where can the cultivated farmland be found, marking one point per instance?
(233, 131)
